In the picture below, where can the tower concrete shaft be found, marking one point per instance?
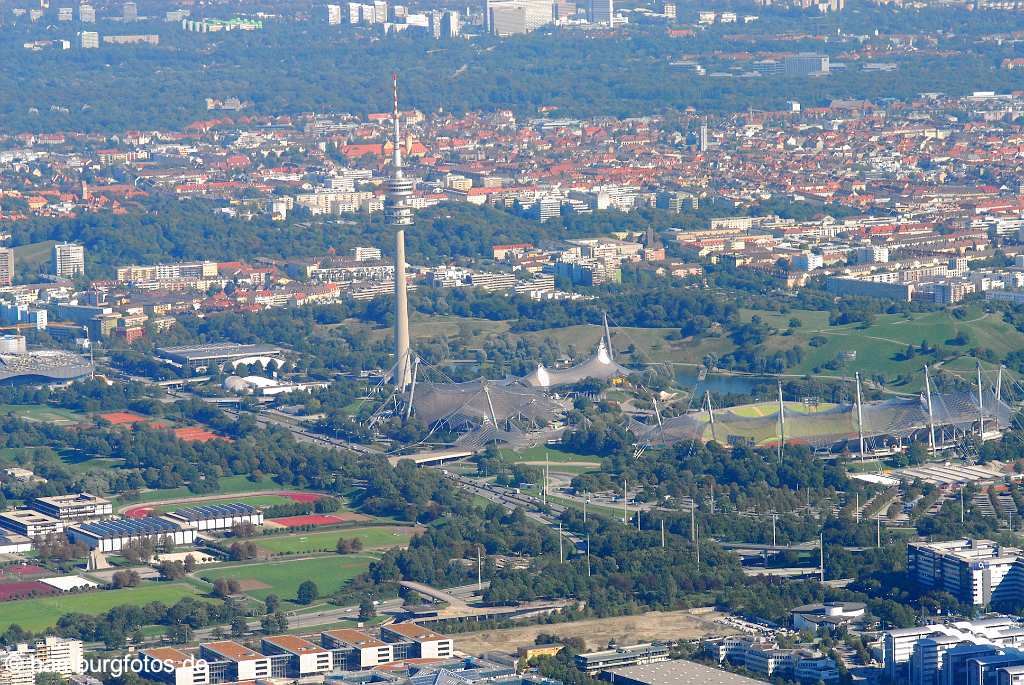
(403, 363)
(398, 213)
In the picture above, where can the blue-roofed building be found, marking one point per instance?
(215, 516)
(114, 534)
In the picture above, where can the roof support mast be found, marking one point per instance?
(711, 415)
(782, 424)
(412, 388)
(860, 418)
(931, 415)
(608, 338)
(981, 405)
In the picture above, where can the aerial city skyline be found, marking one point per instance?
(511, 342)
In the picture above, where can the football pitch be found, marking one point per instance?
(282, 577)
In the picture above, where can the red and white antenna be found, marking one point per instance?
(396, 155)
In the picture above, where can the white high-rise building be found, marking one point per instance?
(6, 265)
(69, 258)
(602, 11)
(20, 664)
(509, 17)
(334, 14)
(90, 40)
(86, 14)
(130, 11)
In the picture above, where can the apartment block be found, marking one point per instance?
(426, 643)
(231, 662)
(974, 571)
(293, 657)
(358, 649)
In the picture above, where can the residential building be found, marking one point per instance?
(426, 643)
(806, 64)
(20, 663)
(68, 259)
(974, 571)
(602, 11)
(293, 657)
(172, 666)
(938, 654)
(6, 265)
(355, 650)
(232, 662)
(89, 40)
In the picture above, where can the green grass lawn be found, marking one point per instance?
(879, 346)
(34, 254)
(43, 612)
(77, 462)
(43, 413)
(259, 501)
(304, 543)
(553, 455)
(282, 577)
(230, 485)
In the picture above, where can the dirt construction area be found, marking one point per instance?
(598, 632)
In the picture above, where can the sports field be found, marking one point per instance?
(802, 421)
(258, 501)
(230, 485)
(373, 537)
(282, 577)
(43, 612)
(43, 414)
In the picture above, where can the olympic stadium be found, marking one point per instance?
(885, 426)
(528, 411)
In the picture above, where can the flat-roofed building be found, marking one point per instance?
(173, 666)
(72, 508)
(426, 643)
(115, 534)
(974, 571)
(354, 650)
(30, 523)
(678, 672)
(629, 655)
(242, 662)
(302, 657)
(216, 516)
(12, 543)
(20, 664)
(216, 354)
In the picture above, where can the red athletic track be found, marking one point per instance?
(24, 570)
(309, 520)
(22, 590)
(144, 510)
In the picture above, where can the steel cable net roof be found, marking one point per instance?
(824, 427)
(472, 402)
(601, 367)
